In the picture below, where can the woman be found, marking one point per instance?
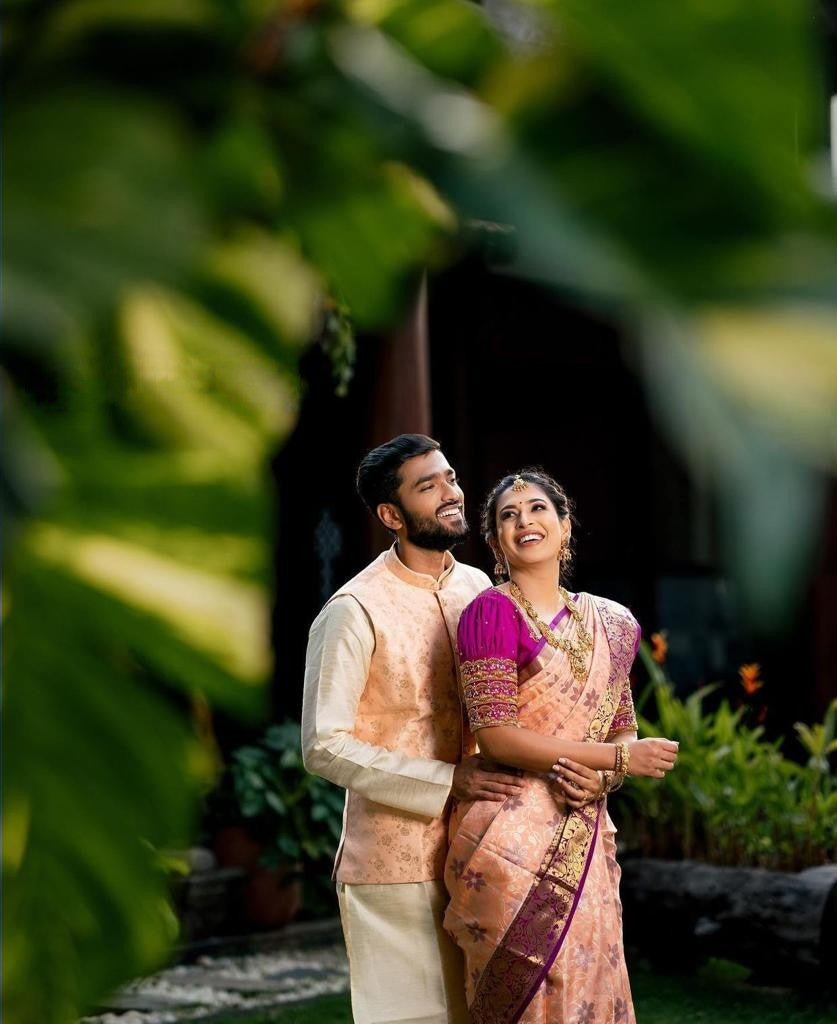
(534, 882)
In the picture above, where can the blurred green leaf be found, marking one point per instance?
(75, 237)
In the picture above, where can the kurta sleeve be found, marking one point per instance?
(340, 648)
(487, 640)
(623, 633)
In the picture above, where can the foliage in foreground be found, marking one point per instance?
(734, 798)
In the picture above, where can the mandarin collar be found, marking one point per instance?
(418, 579)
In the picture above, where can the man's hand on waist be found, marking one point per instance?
(476, 779)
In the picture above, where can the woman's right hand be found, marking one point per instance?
(652, 757)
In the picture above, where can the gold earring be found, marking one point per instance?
(499, 571)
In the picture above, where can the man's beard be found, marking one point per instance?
(430, 534)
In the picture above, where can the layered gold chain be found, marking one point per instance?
(577, 649)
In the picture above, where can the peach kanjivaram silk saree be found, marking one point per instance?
(534, 885)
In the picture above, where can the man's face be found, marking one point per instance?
(431, 502)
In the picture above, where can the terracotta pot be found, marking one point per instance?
(235, 847)
(268, 899)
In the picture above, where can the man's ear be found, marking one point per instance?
(390, 517)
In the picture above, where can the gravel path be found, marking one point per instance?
(298, 969)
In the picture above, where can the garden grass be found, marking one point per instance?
(717, 994)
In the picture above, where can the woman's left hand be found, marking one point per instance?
(581, 785)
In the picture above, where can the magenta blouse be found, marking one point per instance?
(494, 626)
(494, 642)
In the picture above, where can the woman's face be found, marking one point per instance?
(529, 530)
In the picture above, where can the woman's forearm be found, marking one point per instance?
(523, 748)
(623, 736)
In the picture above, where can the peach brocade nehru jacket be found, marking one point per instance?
(410, 704)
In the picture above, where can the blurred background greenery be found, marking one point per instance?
(196, 191)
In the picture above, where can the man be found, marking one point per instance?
(382, 718)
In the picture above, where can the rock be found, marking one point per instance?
(781, 924)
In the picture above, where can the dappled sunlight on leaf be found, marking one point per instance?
(199, 383)
(16, 818)
(284, 290)
(224, 617)
(779, 363)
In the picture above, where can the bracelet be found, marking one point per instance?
(612, 782)
(616, 781)
(623, 759)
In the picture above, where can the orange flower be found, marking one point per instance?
(750, 678)
(659, 646)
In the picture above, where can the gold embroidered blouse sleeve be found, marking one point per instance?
(489, 689)
(340, 648)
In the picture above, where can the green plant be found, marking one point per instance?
(734, 798)
(296, 815)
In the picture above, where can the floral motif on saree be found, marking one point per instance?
(528, 860)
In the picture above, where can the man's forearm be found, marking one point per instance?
(411, 784)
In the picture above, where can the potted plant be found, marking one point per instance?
(281, 824)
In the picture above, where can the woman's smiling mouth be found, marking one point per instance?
(529, 538)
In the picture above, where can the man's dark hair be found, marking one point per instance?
(379, 476)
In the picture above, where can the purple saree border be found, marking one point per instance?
(505, 1002)
(530, 995)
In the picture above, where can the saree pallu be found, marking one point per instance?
(534, 884)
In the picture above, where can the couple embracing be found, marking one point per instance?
(473, 886)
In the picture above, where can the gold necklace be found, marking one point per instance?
(576, 650)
